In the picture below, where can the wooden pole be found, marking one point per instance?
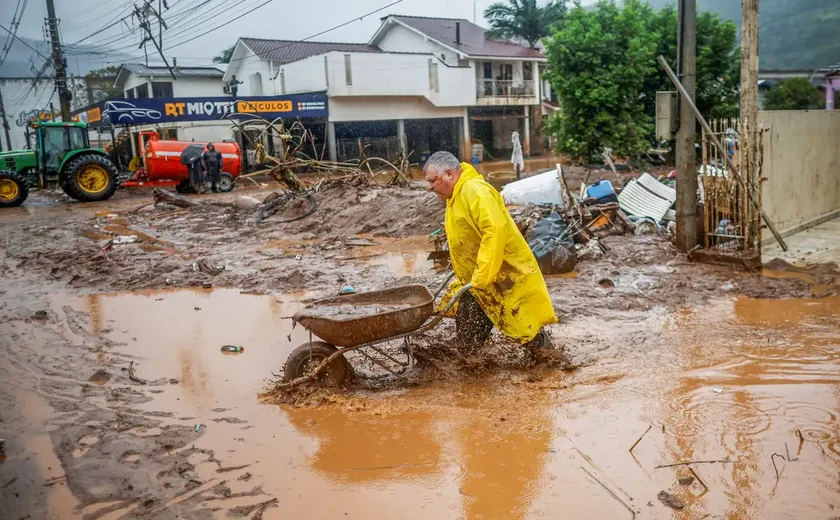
(749, 96)
(686, 236)
(722, 151)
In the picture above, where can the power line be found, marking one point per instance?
(23, 42)
(16, 18)
(355, 19)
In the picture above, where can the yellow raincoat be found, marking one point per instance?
(488, 250)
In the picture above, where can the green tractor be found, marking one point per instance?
(62, 157)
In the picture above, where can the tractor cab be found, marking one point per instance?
(54, 142)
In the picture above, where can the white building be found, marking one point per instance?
(420, 84)
(139, 81)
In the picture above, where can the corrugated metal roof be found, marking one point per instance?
(473, 39)
(285, 51)
(638, 198)
(666, 192)
(195, 72)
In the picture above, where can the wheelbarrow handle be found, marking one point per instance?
(455, 299)
(444, 284)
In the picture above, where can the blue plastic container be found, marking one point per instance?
(602, 191)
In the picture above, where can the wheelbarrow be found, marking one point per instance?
(358, 322)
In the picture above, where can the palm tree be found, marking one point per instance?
(524, 19)
(226, 55)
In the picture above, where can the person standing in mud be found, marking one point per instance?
(213, 163)
(488, 252)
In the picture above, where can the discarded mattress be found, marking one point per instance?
(543, 188)
(647, 197)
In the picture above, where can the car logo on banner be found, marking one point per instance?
(127, 112)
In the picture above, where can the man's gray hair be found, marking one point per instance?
(442, 161)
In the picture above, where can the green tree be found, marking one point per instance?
(524, 19)
(100, 84)
(226, 55)
(793, 94)
(598, 65)
(718, 63)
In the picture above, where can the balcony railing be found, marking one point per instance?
(505, 88)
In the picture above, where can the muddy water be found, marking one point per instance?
(737, 381)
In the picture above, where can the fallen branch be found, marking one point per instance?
(131, 375)
(163, 196)
(700, 481)
(773, 459)
(610, 491)
(727, 461)
(640, 439)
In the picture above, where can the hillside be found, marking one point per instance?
(795, 34)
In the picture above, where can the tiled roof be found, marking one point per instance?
(195, 72)
(285, 51)
(473, 40)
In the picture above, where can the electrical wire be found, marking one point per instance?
(16, 18)
(24, 42)
(355, 19)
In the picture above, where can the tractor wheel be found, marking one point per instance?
(90, 178)
(226, 182)
(13, 189)
(309, 356)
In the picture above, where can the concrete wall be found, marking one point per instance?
(197, 87)
(401, 39)
(181, 87)
(802, 168)
(388, 108)
(245, 70)
(21, 100)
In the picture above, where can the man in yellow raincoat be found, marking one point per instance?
(489, 252)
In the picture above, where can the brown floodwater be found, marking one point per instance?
(736, 381)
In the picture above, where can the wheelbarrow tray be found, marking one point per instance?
(355, 319)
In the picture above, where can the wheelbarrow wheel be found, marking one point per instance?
(309, 356)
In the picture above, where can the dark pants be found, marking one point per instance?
(215, 176)
(473, 326)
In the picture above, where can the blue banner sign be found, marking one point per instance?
(146, 111)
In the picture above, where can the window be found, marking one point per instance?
(488, 70)
(348, 73)
(162, 89)
(527, 71)
(55, 144)
(77, 138)
(506, 71)
(255, 84)
(433, 76)
(142, 91)
(129, 94)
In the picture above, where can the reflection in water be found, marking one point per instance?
(501, 442)
(740, 379)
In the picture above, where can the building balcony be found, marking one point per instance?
(496, 92)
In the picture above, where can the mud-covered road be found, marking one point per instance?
(117, 401)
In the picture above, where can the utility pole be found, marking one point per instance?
(58, 63)
(749, 99)
(685, 149)
(143, 19)
(5, 123)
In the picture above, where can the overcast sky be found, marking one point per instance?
(279, 19)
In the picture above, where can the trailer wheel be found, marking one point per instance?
(13, 189)
(226, 182)
(309, 356)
